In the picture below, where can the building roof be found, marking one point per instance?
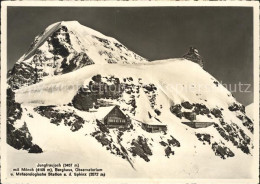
(153, 121)
(103, 111)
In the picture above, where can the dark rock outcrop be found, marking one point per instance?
(22, 74)
(187, 105)
(18, 138)
(25, 73)
(105, 139)
(237, 107)
(173, 142)
(176, 110)
(141, 148)
(169, 145)
(56, 117)
(197, 109)
(201, 109)
(59, 47)
(189, 115)
(216, 112)
(231, 132)
(89, 95)
(21, 139)
(247, 122)
(84, 100)
(168, 151)
(78, 61)
(222, 151)
(204, 138)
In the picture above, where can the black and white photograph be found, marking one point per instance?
(123, 92)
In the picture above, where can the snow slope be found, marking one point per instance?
(191, 160)
(195, 85)
(250, 110)
(68, 57)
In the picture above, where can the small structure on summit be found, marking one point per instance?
(113, 117)
(193, 55)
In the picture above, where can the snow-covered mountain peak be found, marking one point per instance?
(65, 47)
(82, 30)
(71, 22)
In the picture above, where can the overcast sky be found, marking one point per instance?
(223, 36)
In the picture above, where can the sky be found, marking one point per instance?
(223, 35)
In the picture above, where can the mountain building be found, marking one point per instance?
(198, 124)
(154, 126)
(113, 117)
